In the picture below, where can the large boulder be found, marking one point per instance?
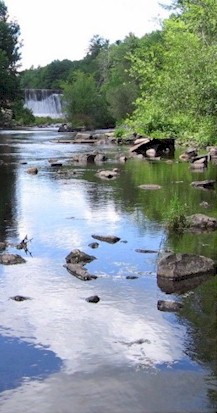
(179, 273)
(180, 266)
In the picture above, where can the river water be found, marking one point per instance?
(60, 353)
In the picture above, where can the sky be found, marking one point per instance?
(57, 30)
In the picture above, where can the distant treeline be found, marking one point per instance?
(163, 84)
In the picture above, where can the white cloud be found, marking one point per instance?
(52, 30)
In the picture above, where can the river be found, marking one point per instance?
(62, 354)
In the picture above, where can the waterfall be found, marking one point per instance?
(44, 102)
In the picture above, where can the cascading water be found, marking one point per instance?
(44, 102)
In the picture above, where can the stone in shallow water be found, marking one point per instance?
(111, 239)
(180, 266)
(11, 259)
(168, 305)
(20, 298)
(77, 256)
(93, 299)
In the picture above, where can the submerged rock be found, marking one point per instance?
(111, 239)
(11, 259)
(150, 186)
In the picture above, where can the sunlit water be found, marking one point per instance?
(60, 353)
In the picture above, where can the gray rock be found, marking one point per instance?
(108, 174)
(32, 171)
(111, 239)
(150, 187)
(19, 298)
(79, 271)
(201, 222)
(77, 256)
(93, 299)
(93, 245)
(169, 305)
(11, 259)
(180, 266)
(206, 184)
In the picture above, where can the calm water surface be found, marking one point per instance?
(61, 354)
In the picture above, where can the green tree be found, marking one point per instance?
(120, 88)
(84, 104)
(9, 59)
(179, 83)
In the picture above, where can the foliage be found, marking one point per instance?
(9, 58)
(83, 102)
(178, 75)
(175, 215)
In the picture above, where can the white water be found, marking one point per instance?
(44, 102)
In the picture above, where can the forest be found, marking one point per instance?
(162, 84)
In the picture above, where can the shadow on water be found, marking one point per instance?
(20, 360)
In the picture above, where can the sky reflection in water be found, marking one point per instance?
(122, 354)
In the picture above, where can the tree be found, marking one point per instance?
(178, 76)
(84, 104)
(9, 58)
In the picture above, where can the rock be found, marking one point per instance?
(93, 245)
(93, 299)
(11, 259)
(57, 164)
(19, 298)
(180, 266)
(201, 222)
(108, 174)
(79, 271)
(150, 187)
(168, 305)
(32, 171)
(206, 184)
(188, 154)
(79, 257)
(204, 204)
(123, 159)
(100, 157)
(111, 239)
(158, 147)
(146, 251)
(151, 153)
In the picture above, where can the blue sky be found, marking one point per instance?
(62, 30)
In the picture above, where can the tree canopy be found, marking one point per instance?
(9, 58)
